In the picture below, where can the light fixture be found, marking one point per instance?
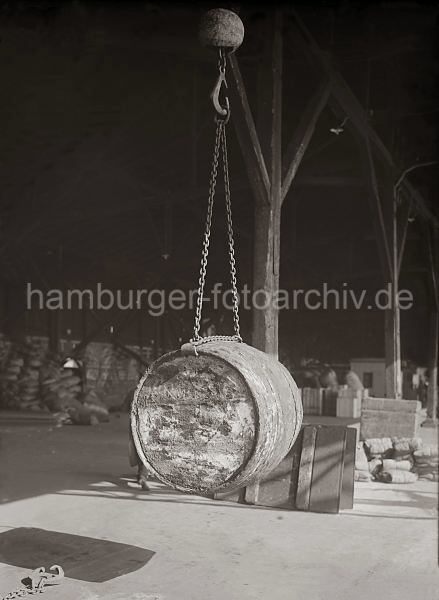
(340, 128)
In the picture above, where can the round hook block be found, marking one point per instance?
(221, 28)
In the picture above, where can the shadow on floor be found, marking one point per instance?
(83, 558)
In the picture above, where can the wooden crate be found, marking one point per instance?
(349, 403)
(236, 496)
(386, 417)
(278, 489)
(326, 472)
(316, 475)
(329, 403)
(311, 401)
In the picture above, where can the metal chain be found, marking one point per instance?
(39, 579)
(230, 236)
(206, 239)
(222, 61)
(220, 142)
(24, 591)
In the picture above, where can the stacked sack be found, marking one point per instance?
(10, 389)
(50, 375)
(377, 449)
(398, 468)
(396, 476)
(89, 412)
(60, 387)
(426, 463)
(403, 448)
(95, 406)
(5, 348)
(29, 383)
(69, 387)
(361, 464)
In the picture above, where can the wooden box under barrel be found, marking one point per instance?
(217, 420)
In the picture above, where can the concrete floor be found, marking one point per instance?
(74, 487)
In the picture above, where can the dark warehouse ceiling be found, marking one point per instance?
(107, 130)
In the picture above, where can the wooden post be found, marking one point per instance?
(302, 135)
(84, 322)
(392, 318)
(432, 399)
(403, 221)
(53, 326)
(267, 216)
(384, 216)
(270, 176)
(140, 330)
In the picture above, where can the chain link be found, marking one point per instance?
(23, 591)
(39, 579)
(220, 143)
(230, 236)
(222, 61)
(206, 238)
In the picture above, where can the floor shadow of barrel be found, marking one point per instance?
(83, 558)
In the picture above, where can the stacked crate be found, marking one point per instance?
(311, 401)
(387, 417)
(349, 402)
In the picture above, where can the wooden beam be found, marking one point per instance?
(403, 221)
(302, 136)
(432, 394)
(351, 106)
(384, 216)
(53, 330)
(268, 215)
(419, 201)
(393, 357)
(375, 206)
(433, 263)
(247, 135)
(128, 351)
(432, 239)
(328, 181)
(91, 335)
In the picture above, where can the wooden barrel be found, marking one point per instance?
(216, 421)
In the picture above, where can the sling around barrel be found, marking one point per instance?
(216, 421)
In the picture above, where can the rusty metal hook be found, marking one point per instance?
(222, 111)
(40, 577)
(57, 576)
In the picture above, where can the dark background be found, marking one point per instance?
(106, 139)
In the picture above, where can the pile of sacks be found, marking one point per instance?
(29, 383)
(33, 379)
(20, 363)
(10, 377)
(395, 460)
(426, 463)
(51, 384)
(62, 394)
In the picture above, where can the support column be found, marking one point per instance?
(432, 398)
(392, 327)
(384, 216)
(265, 334)
(53, 326)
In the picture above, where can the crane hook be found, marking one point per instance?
(223, 111)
